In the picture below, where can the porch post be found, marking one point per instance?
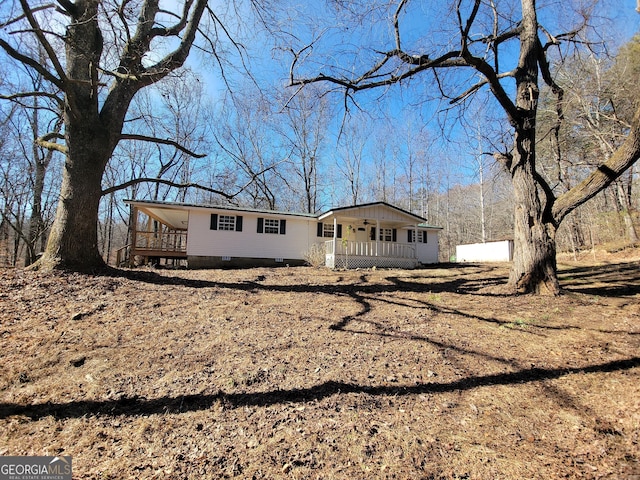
(134, 233)
(377, 236)
(335, 235)
(415, 236)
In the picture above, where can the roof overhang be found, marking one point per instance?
(175, 216)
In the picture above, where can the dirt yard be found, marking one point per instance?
(310, 373)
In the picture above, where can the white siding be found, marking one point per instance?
(428, 252)
(202, 241)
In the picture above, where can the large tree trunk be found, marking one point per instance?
(534, 260)
(534, 257)
(73, 241)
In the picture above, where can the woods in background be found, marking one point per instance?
(263, 145)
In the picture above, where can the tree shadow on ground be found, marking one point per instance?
(457, 281)
(139, 406)
(610, 280)
(464, 279)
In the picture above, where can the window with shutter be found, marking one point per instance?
(387, 234)
(227, 222)
(272, 225)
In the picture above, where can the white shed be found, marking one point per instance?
(485, 252)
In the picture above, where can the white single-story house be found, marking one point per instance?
(485, 252)
(208, 236)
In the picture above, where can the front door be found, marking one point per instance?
(362, 234)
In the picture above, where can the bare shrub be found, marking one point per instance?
(315, 255)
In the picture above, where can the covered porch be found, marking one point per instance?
(340, 254)
(371, 235)
(157, 234)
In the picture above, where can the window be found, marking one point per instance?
(226, 222)
(422, 236)
(386, 234)
(272, 225)
(326, 230)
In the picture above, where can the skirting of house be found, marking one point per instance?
(342, 261)
(197, 261)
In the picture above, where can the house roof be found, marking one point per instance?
(376, 211)
(175, 214)
(191, 206)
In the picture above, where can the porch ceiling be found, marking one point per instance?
(368, 222)
(174, 218)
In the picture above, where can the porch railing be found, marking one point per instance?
(370, 249)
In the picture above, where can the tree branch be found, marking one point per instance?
(30, 62)
(177, 58)
(144, 138)
(624, 157)
(162, 181)
(17, 96)
(43, 40)
(52, 146)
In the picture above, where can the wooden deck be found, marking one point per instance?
(152, 241)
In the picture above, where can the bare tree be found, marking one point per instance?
(350, 160)
(305, 127)
(248, 139)
(486, 32)
(112, 50)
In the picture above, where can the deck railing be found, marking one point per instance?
(161, 241)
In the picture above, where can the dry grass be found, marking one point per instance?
(312, 373)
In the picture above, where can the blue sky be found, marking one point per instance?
(416, 103)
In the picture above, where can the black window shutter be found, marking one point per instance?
(283, 227)
(373, 233)
(214, 222)
(339, 234)
(409, 236)
(394, 235)
(320, 231)
(260, 225)
(239, 223)
(424, 236)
